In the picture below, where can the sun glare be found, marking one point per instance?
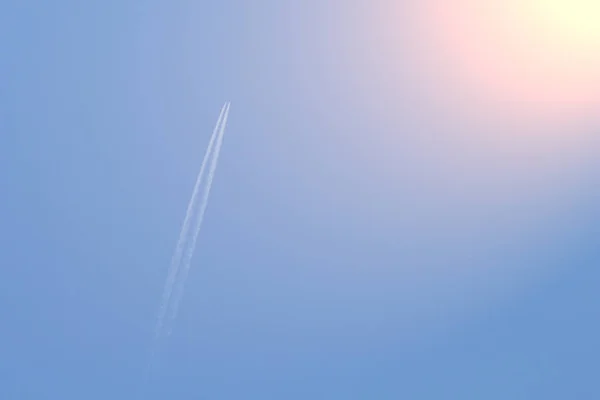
(577, 22)
(540, 56)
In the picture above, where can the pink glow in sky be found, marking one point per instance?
(527, 58)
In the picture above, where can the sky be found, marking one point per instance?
(405, 204)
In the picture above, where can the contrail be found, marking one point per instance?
(185, 245)
(189, 250)
(184, 234)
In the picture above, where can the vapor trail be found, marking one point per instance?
(184, 234)
(187, 240)
(189, 250)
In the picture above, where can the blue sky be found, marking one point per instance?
(361, 242)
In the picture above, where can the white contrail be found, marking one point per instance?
(184, 234)
(189, 250)
(187, 240)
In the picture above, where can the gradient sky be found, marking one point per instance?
(380, 227)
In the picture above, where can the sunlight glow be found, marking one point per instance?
(576, 22)
(537, 56)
